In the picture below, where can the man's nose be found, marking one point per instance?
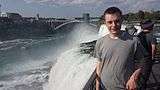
(113, 24)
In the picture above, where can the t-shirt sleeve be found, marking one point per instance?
(97, 52)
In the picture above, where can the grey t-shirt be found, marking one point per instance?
(119, 57)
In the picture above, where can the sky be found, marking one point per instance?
(74, 8)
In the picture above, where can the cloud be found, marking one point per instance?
(65, 2)
(136, 5)
(125, 5)
(71, 2)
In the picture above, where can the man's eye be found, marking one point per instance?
(109, 22)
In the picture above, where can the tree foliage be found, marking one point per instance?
(141, 15)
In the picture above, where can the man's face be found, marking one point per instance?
(113, 22)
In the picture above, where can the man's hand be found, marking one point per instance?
(131, 84)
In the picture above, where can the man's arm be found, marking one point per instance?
(153, 46)
(153, 50)
(98, 75)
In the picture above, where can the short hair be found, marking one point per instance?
(112, 10)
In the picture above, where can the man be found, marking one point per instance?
(150, 46)
(149, 43)
(116, 53)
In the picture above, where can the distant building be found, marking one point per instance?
(3, 14)
(86, 17)
(11, 15)
(14, 15)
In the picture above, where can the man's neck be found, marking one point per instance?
(114, 36)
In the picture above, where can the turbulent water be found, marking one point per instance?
(72, 70)
(25, 63)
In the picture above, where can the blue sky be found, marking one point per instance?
(74, 8)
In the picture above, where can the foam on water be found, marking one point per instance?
(72, 71)
(25, 65)
(83, 33)
(24, 54)
(28, 80)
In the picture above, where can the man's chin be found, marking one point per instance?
(114, 32)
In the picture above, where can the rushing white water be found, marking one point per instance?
(25, 63)
(23, 66)
(72, 71)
